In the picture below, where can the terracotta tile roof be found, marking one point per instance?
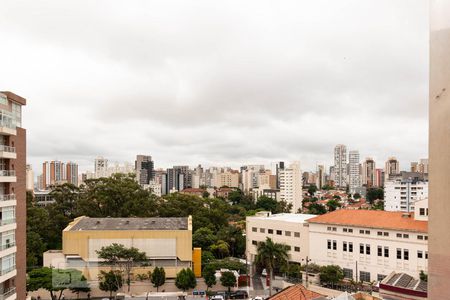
(192, 190)
(372, 219)
(296, 292)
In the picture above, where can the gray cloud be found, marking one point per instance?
(222, 83)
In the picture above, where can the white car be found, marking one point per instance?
(258, 298)
(217, 297)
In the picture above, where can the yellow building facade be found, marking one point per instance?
(167, 243)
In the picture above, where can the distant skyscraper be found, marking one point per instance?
(379, 177)
(368, 173)
(72, 173)
(187, 175)
(144, 169)
(392, 168)
(101, 167)
(340, 165)
(174, 180)
(280, 166)
(30, 178)
(420, 167)
(291, 186)
(53, 172)
(354, 168)
(320, 179)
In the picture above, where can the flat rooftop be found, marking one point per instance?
(285, 217)
(86, 223)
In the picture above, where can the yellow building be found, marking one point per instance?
(167, 243)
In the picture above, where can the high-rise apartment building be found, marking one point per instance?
(291, 186)
(354, 171)
(420, 167)
(369, 173)
(100, 167)
(401, 194)
(320, 178)
(340, 165)
(392, 168)
(72, 173)
(144, 167)
(439, 145)
(379, 177)
(249, 175)
(187, 175)
(30, 178)
(12, 192)
(53, 173)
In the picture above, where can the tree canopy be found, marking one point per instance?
(228, 279)
(185, 280)
(158, 277)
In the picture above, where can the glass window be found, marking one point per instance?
(420, 237)
(379, 233)
(348, 273)
(367, 231)
(380, 251)
(361, 248)
(254, 229)
(287, 233)
(399, 235)
(297, 249)
(386, 251)
(270, 231)
(419, 254)
(364, 276)
(334, 245)
(367, 249)
(279, 232)
(254, 243)
(406, 254)
(406, 236)
(361, 231)
(350, 230)
(350, 247)
(380, 277)
(422, 211)
(297, 234)
(344, 246)
(329, 244)
(3, 99)
(262, 230)
(386, 233)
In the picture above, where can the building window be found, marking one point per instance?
(254, 243)
(406, 254)
(399, 235)
(361, 248)
(367, 249)
(350, 247)
(297, 249)
(364, 276)
(279, 232)
(254, 229)
(344, 229)
(386, 251)
(270, 231)
(287, 233)
(386, 233)
(344, 246)
(262, 230)
(329, 244)
(380, 277)
(406, 236)
(297, 234)
(350, 230)
(426, 254)
(329, 228)
(361, 231)
(379, 233)
(288, 247)
(419, 254)
(420, 237)
(426, 238)
(334, 229)
(422, 211)
(367, 231)
(380, 251)
(334, 245)
(348, 273)
(399, 253)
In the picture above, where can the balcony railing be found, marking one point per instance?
(5, 148)
(7, 221)
(7, 246)
(7, 293)
(8, 270)
(8, 197)
(7, 173)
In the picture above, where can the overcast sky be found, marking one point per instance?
(218, 82)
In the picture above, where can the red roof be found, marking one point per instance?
(296, 292)
(372, 219)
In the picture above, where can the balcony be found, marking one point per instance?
(7, 222)
(7, 176)
(8, 200)
(8, 249)
(8, 273)
(9, 294)
(8, 152)
(6, 128)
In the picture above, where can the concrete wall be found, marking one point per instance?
(439, 151)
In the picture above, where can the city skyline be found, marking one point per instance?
(219, 87)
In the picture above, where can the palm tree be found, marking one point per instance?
(269, 254)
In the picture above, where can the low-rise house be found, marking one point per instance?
(403, 286)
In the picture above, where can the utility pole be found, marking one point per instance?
(306, 271)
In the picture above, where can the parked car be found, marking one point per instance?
(217, 297)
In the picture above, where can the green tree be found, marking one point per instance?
(316, 209)
(374, 194)
(80, 286)
(203, 237)
(235, 239)
(333, 205)
(270, 254)
(110, 281)
(220, 249)
(283, 207)
(205, 194)
(235, 197)
(185, 280)
(209, 274)
(423, 276)
(331, 274)
(266, 203)
(378, 205)
(228, 280)
(117, 255)
(356, 196)
(158, 277)
(55, 281)
(312, 189)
